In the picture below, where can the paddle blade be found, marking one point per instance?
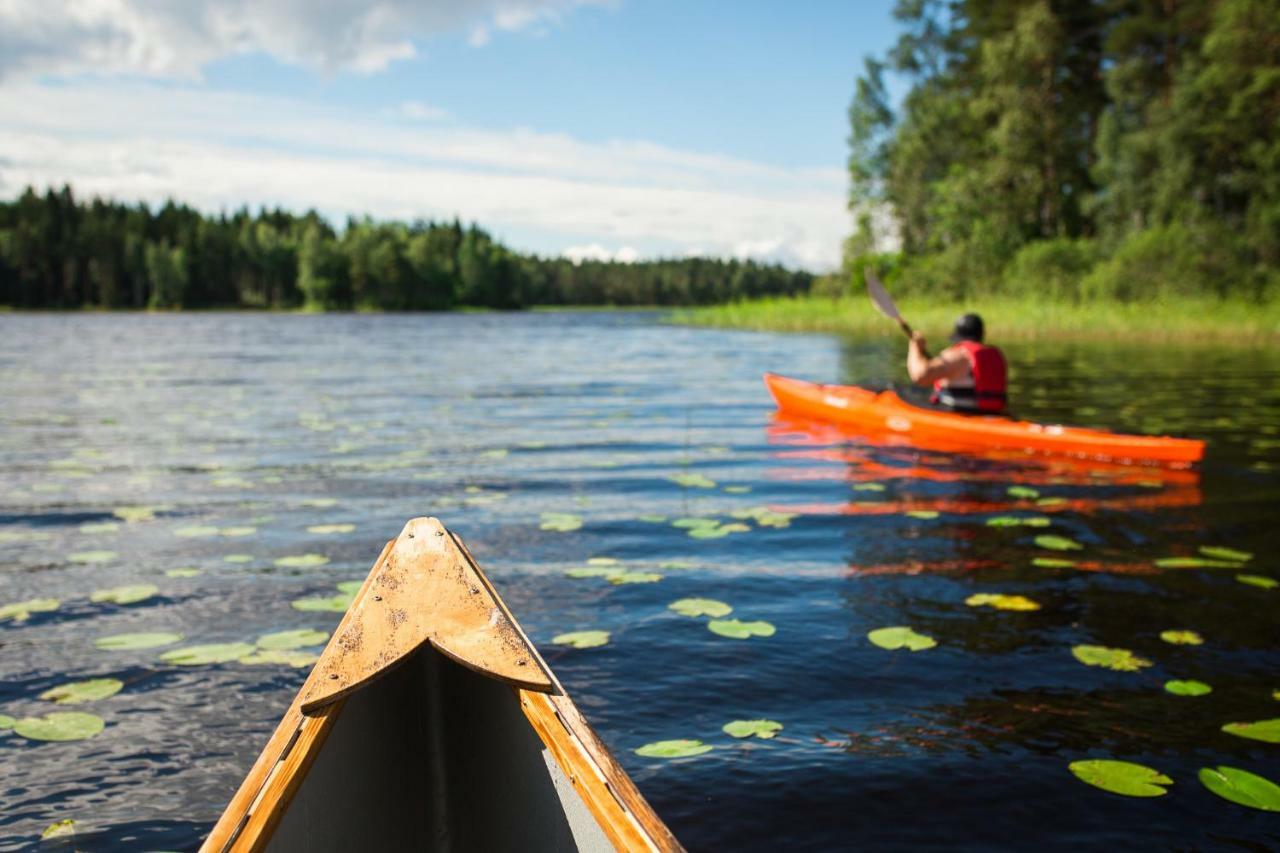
(880, 297)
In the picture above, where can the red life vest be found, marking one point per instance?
(989, 391)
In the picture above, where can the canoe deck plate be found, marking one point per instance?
(426, 589)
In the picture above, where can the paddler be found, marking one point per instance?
(968, 376)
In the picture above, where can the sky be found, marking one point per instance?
(588, 128)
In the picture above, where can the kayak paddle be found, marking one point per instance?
(884, 304)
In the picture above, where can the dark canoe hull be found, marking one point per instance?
(434, 751)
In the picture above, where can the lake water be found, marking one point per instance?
(241, 433)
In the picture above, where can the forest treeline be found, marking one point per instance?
(57, 251)
(1073, 149)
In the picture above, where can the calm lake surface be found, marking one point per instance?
(243, 435)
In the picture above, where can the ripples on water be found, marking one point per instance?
(488, 421)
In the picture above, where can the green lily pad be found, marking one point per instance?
(1120, 660)
(1052, 563)
(737, 490)
(59, 726)
(869, 487)
(652, 519)
(1001, 602)
(75, 692)
(99, 527)
(20, 611)
(633, 577)
(92, 556)
(1057, 543)
(765, 729)
(244, 530)
(1182, 638)
(1242, 787)
(693, 481)
(603, 561)
(64, 828)
(282, 657)
(1122, 777)
(6, 722)
(350, 587)
(207, 654)
(330, 604)
(1018, 521)
(1260, 581)
(674, 749)
(1188, 687)
(130, 594)
(676, 565)
(582, 639)
(292, 639)
(1053, 501)
(328, 529)
(901, 637)
(193, 531)
(1267, 731)
(302, 561)
(922, 514)
(130, 642)
(134, 514)
(736, 629)
(700, 607)
(320, 503)
(1194, 563)
(1023, 492)
(181, 573)
(693, 523)
(560, 522)
(1219, 553)
(238, 558)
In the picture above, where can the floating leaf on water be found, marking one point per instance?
(19, 611)
(1122, 777)
(560, 522)
(238, 558)
(900, 637)
(922, 514)
(582, 639)
(6, 722)
(75, 692)
(1220, 553)
(736, 490)
(1023, 492)
(1260, 581)
(736, 629)
(1121, 660)
(593, 572)
(1001, 602)
(129, 642)
(708, 532)
(700, 607)
(869, 487)
(692, 523)
(100, 527)
(1182, 638)
(184, 572)
(1052, 563)
(1242, 787)
(92, 556)
(1194, 563)
(603, 561)
(652, 519)
(129, 594)
(752, 728)
(1018, 521)
(207, 654)
(296, 639)
(1267, 731)
(634, 577)
(350, 587)
(693, 481)
(674, 749)
(59, 726)
(332, 603)
(302, 561)
(320, 503)
(196, 531)
(676, 565)
(1055, 501)
(134, 514)
(327, 529)
(243, 530)
(1188, 687)
(1057, 543)
(64, 828)
(283, 657)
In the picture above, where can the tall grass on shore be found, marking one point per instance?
(1173, 321)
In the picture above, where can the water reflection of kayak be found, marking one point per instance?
(430, 721)
(886, 412)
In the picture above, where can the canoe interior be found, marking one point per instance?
(433, 756)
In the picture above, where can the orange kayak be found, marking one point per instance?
(885, 411)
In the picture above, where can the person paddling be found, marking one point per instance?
(968, 376)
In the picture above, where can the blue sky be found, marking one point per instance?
(580, 127)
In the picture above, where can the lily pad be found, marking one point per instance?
(1018, 521)
(350, 587)
(328, 529)
(676, 565)
(652, 519)
(1260, 581)
(134, 514)
(901, 637)
(1182, 638)
(869, 487)
(130, 642)
(92, 556)
(195, 531)
(700, 607)
(593, 572)
(184, 572)
(130, 594)
(1057, 543)
(765, 729)
(283, 657)
(737, 490)
(1267, 731)
(1194, 563)
(59, 726)
(603, 561)
(1220, 553)
(674, 749)
(582, 639)
(1053, 501)
(75, 692)
(64, 828)
(207, 654)
(633, 577)
(1122, 777)
(693, 481)
(693, 523)
(20, 611)
(922, 514)
(1120, 660)
(560, 522)
(6, 722)
(736, 629)
(238, 558)
(329, 604)
(292, 639)
(1188, 687)
(1001, 602)
(302, 561)
(1242, 787)
(320, 503)
(1052, 563)
(244, 530)
(1023, 492)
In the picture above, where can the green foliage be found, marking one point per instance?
(1243, 787)
(1121, 777)
(1120, 660)
(901, 637)
(765, 729)
(682, 748)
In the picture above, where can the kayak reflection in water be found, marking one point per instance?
(968, 376)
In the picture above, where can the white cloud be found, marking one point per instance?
(422, 111)
(177, 38)
(538, 191)
(596, 252)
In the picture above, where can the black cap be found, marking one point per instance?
(968, 328)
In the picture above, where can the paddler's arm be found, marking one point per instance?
(926, 371)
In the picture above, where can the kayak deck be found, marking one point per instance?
(430, 722)
(885, 411)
